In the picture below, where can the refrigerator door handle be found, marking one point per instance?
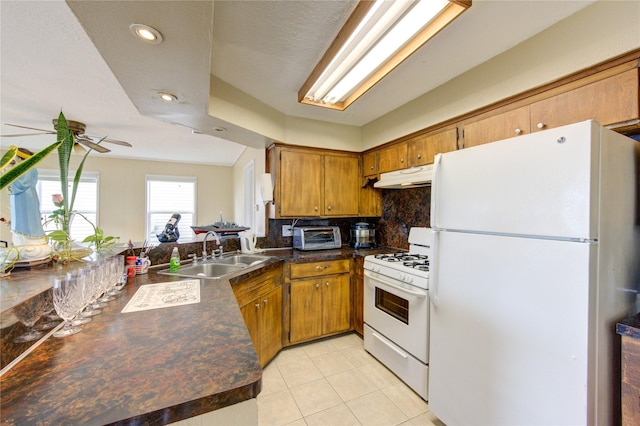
(433, 276)
(434, 190)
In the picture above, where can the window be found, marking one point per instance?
(167, 195)
(86, 201)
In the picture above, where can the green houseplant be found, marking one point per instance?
(64, 214)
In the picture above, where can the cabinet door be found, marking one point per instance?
(417, 151)
(301, 183)
(441, 142)
(500, 126)
(392, 158)
(610, 101)
(251, 313)
(341, 185)
(370, 201)
(370, 164)
(306, 310)
(336, 303)
(271, 325)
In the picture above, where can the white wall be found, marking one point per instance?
(234, 106)
(258, 158)
(122, 191)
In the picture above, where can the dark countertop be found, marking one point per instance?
(629, 327)
(150, 367)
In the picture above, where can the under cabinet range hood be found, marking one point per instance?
(406, 178)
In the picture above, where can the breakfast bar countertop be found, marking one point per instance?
(149, 367)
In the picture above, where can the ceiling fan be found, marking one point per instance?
(77, 129)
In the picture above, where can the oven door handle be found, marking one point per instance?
(403, 355)
(392, 285)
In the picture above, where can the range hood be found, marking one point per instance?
(407, 178)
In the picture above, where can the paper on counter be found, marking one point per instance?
(164, 295)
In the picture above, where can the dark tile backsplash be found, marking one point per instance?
(401, 209)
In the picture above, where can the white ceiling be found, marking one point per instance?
(79, 56)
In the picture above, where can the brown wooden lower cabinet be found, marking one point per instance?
(260, 301)
(320, 299)
(630, 381)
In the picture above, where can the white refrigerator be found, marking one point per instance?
(536, 257)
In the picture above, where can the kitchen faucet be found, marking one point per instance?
(204, 245)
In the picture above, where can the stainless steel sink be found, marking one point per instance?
(217, 268)
(243, 259)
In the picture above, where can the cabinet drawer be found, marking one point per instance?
(313, 269)
(247, 290)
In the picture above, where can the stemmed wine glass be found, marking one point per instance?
(105, 281)
(67, 303)
(82, 295)
(88, 274)
(28, 313)
(117, 274)
(50, 319)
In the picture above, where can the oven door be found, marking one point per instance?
(398, 311)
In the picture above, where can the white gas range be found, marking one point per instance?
(396, 310)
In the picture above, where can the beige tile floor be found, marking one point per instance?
(336, 382)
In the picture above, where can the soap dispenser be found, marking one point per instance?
(174, 263)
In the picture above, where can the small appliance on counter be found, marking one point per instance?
(316, 237)
(363, 235)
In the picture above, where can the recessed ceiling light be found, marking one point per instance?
(146, 33)
(167, 97)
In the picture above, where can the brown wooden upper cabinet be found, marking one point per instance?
(341, 189)
(314, 183)
(608, 97)
(496, 127)
(370, 164)
(424, 148)
(393, 157)
(611, 101)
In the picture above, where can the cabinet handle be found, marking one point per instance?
(518, 131)
(329, 208)
(317, 285)
(257, 305)
(402, 160)
(541, 125)
(419, 156)
(265, 301)
(316, 208)
(327, 283)
(318, 268)
(371, 167)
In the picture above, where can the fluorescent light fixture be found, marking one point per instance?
(146, 33)
(376, 38)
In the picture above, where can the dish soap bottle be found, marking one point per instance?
(174, 263)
